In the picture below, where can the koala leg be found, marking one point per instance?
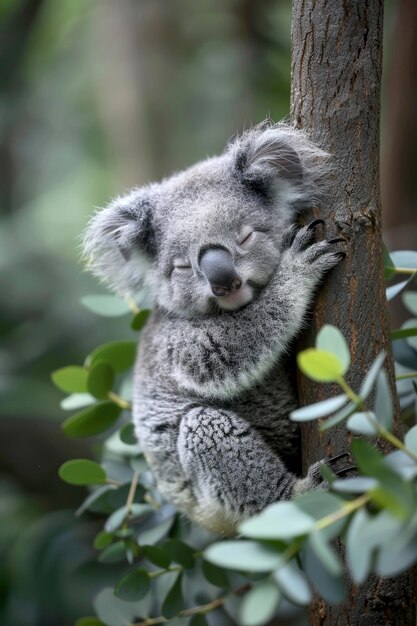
(233, 471)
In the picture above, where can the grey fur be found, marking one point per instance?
(212, 397)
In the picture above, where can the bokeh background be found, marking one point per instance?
(97, 96)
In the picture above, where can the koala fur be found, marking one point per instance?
(211, 393)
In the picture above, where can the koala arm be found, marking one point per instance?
(218, 357)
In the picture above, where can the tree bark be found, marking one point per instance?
(335, 97)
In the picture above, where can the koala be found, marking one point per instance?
(232, 277)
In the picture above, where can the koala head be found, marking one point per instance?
(208, 239)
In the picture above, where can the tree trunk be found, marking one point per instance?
(336, 78)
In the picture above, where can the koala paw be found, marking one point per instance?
(314, 479)
(300, 244)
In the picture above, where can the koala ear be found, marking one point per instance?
(119, 241)
(278, 162)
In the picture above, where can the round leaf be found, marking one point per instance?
(293, 583)
(134, 586)
(358, 484)
(246, 556)
(102, 540)
(114, 553)
(320, 366)
(72, 379)
(405, 259)
(76, 401)
(215, 575)
(410, 301)
(363, 423)
(173, 602)
(318, 409)
(127, 434)
(119, 354)
(157, 556)
(411, 439)
(330, 339)
(140, 319)
(108, 306)
(282, 520)
(93, 420)
(100, 380)
(179, 552)
(82, 472)
(259, 604)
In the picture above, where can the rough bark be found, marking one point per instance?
(336, 78)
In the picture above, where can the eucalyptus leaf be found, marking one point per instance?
(384, 409)
(403, 333)
(72, 379)
(244, 556)
(410, 301)
(407, 326)
(330, 339)
(157, 556)
(358, 549)
(319, 504)
(119, 354)
(93, 420)
(259, 604)
(292, 581)
(404, 259)
(89, 621)
(127, 434)
(325, 553)
(77, 401)
(100, 379)
(215, 575)
(410, 439)
(92, 497)
(173, 602)
(363, 423)
(370, 378)
(116, 612)
(82, 472)
(358, 484)
(114, 553)
(102, 540)
(107, 306)
(396, 556)
(318, 409)
(401, 463)
(320, 365)
(134, 586)
(282, 520)
(332, 588)
(339, 417)
(394, 290)
(140, 319)
(180, 552)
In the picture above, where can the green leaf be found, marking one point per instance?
(319, 504)
(198, 620)
(410, 301)
(388, 264)
(215, 575)
(330, 339)
(82, 472)
(173, 602)
(107, 306)
(89, 621)
(358, 484)
(319, 365)
(401, 463)
(384, 410)
(245, 556)
(140, 319)
(293, 583)
(114, 553)
(411, 325)
(403, 333)
(127, 434)
(93, 420)
(363, 423)
(100, 380)
(119, 354)
(116, 612)
(405, 259)
(282, 520)
(324, 552)
(117, 518)
(319, 409)
(396, 556)
(76, 401)
(92, 497)
(157, 556)
(102, 540)
(179, 552)
(71, 379)
(332, 588)
(134, 586)
(358, 549)
(371, 376)
(259, 604)
(410, 439)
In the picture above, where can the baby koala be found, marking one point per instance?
(232, 277)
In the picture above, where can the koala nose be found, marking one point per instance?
(218, 267)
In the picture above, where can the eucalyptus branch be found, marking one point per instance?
(124, 404)
(130, 497)
(201, 609)
(346, 510)
(405, 376)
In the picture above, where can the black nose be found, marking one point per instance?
(218, 267)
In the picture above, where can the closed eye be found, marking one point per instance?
(182, 265)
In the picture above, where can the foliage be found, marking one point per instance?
(175, 570)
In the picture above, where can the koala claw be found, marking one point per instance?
(334, 459)
(336, 240)
(346, 470)
(315, 223)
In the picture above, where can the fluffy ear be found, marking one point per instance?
(280, 163)
(119, 241)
